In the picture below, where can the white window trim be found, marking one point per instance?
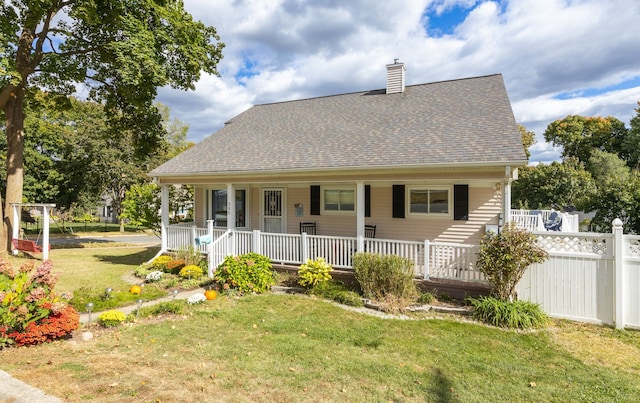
(339, 212)
(448, 188)
(247, 208)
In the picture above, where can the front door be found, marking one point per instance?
(272, 213)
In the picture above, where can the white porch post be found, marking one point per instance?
(45, 233)
(506, 194)
(231, 206)
(164, 217)
(360, 215)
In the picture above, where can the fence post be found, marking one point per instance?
(257, 245)
(618, 256)
(304, 247)
(194, 235)
(426, 259)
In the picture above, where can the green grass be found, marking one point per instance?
(298, 348)
(294, 348)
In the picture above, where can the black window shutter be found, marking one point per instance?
(367, 200)
(398, 201)
(461, 202)
(315, 200)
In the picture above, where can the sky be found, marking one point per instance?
(557, 57)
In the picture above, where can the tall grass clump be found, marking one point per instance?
(516, 314)
(387, 280)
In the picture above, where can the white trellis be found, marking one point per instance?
(46, 208)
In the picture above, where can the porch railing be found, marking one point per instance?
(431, 259)
(533, 220)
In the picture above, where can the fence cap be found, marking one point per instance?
(617, 222)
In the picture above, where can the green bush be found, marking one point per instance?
(191, 271)
(111, 318)
(387, 279)
(250, 272)
(144, 269)
(190, 255)
(517, 314)
(338, 292)
(314, 272)
(176, 307)
(504, 257)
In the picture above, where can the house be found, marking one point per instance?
(430, 162)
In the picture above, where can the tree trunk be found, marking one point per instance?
(14, 115)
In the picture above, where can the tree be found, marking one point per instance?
(579, 135)
(556, 185)
(504, 257)
(528, 139)
(121, 51)
(614, 198)
(141, 205)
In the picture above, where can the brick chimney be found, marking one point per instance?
(395, 77)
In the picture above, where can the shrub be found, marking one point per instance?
(504, 257)
(250, 272)
(517, 314)
(29, 308)
(175, 266)
(160, 263)
(191, 271)
(52, 327)
(338, 292)
(314, 272)
(189, 255)
(386, 279)
(111, 318)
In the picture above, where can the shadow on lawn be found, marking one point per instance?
(442, 388)
(136, 258)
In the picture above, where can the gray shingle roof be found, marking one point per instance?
(466, 121)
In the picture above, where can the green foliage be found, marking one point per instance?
(191, 271)
(338, 292)
(557, 184)
(579, 136)
(250, 272)
(160, 263)
(141, 206)
(314, 272)
(111, 318)
(386, 279)
(504, 257)
(144, 269)
(516, 314)
(84, 295)
(190, 255)
(175, 307)
(426, 298)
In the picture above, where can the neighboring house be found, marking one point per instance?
(421, 162)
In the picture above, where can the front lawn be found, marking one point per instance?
(299, 348)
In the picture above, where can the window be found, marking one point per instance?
(433, 201)
(339, 200)
(218, 206)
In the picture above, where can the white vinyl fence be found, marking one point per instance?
(588, 277)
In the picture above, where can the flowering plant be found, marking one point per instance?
(27, 299)
(196, 299)
(111, 318)
(154, 276)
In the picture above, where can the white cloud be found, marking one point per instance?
(288, 49)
